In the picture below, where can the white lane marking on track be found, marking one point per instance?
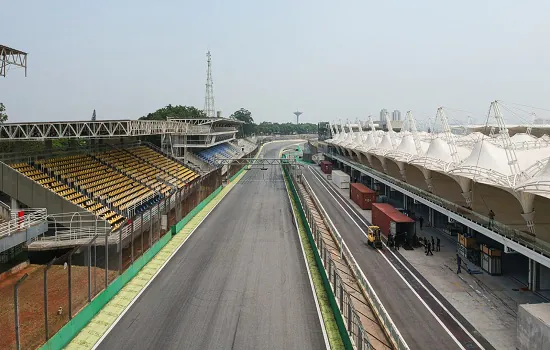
(412, 274)
(319, 314)
(163, 266)
(362, 273)
(325, 336)
(397, 272)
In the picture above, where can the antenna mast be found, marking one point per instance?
(505, 137)
(448, 135)
(209, 108)
(411, 122)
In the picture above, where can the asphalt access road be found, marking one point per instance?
(417, 325)
(239, 282)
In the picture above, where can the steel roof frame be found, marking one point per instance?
(90, 129)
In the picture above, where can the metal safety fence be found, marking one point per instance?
(21, 220)
(47, 296)
(354, 327)
(356, 331)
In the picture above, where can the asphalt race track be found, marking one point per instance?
(414, 316)
(239, 282)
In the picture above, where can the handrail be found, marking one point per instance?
(2, 204)
(30, 218)
(497, 227)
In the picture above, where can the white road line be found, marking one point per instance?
(323, 329)
(422, 284)
(154, 276)
(377, 299)
(162, 267)
(418, 280)
(395, 269)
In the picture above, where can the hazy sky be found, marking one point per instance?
(330, 59)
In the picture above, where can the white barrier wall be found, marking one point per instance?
(534, 327)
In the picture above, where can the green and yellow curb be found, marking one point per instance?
(106, 317)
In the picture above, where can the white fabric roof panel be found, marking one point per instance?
(482, 158)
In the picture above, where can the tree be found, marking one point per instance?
(245, 116)
(3, 115)
(181, 112)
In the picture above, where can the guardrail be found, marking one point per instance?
(499, 228)
(379, 309)
(18, 223)
(344, 303)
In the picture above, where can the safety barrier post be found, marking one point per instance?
(16, 308)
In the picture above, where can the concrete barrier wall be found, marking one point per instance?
(32, 194)
(533, 327)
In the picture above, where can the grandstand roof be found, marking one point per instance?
(11, 57)
(480, 158)
(90, 129)
(203, 121)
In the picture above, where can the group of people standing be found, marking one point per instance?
(435, 244)
(431, 246)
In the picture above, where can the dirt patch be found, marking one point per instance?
(31, 301)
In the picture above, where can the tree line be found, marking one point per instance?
(248, 128)
(268, 128)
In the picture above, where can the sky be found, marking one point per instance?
(331, 60)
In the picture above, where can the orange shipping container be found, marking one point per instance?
(390, 219)
(362, 195)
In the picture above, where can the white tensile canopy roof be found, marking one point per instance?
(480, 157)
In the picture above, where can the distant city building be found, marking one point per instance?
(396, 115)
(383, 114)
(539, 121)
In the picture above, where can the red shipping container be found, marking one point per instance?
(383, 214)
(326, 167)
(362, 195)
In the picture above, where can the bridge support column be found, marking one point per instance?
(533, 275)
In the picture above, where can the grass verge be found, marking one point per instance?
(328, 317)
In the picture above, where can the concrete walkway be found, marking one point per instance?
(489, 303)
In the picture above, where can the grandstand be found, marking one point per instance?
(222, 151)
(205, 140)
(117, 183)
(462, 176)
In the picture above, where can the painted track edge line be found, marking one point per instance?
(313, 290)
(363, 274)
(414, 276)
(100, 340)
(317, 176)
(160, 269)
(422, 301)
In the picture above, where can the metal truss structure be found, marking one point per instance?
(209, 108)
(91, 129)
(209, 121)
(11, 57)
(258, 161)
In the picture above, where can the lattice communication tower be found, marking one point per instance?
(209, 108)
